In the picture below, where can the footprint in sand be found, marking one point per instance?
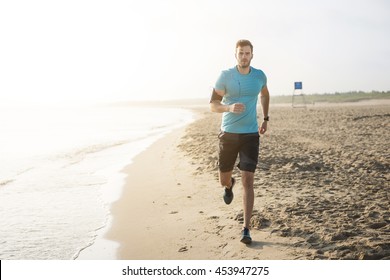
(183, 249)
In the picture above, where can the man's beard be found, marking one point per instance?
(245, 64)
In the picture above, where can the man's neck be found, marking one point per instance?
(243, 70)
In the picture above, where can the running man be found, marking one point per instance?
(235, 95)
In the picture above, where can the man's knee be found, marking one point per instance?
(247, 179)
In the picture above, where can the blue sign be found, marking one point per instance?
(298, 85)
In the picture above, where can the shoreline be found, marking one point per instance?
(101, 247)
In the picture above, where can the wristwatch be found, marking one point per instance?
(266, 118)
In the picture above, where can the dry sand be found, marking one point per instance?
(322, 191)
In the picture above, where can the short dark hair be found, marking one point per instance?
(243, 43)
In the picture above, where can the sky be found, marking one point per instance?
(98, 50)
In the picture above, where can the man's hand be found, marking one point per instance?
(236, 108)
(263, 127)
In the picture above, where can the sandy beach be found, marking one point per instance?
(322, 190)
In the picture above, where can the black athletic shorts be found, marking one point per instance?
(245, 145)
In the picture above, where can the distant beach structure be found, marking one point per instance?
(298, 98)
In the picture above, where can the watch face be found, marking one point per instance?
(266, 118)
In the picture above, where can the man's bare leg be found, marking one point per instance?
(248, 196)
(225, 178)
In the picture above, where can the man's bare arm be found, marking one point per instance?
(264, 99)
(216, 105)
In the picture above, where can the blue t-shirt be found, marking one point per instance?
(244, 89)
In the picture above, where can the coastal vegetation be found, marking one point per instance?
(351, 96)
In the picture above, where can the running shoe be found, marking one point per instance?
(245, 236)
(228, 194)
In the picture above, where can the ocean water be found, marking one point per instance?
(60, 169)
